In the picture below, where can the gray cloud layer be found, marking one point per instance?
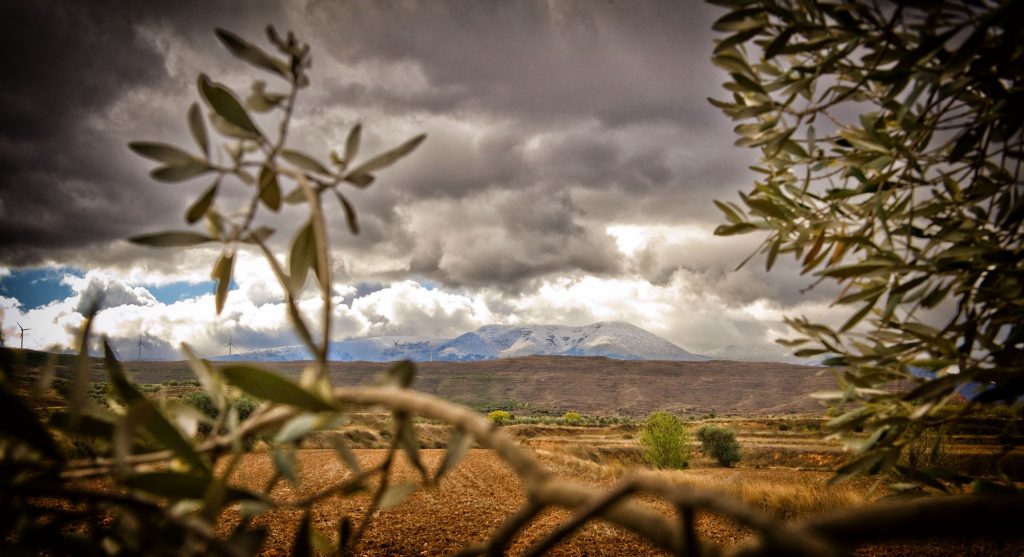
(547, 122)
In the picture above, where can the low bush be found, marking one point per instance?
(665, 441)
(499, 417)
(720, 444)
(202, 401)
(572, 418)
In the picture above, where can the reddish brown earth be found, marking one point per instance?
(468, 506)
(477, 496)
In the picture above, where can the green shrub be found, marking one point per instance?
(572, 417)
(665, 441)
(499, 417)
(245, 406)
(720, 444)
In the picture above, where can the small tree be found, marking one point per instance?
(665, 441)
(720, 444)
(499, 417)
(572, 417)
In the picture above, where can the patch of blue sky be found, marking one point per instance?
(172, 292)
(428, 284)
(39, 286)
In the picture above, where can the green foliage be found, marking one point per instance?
(665, 441)
(245, 406)
(914, 207)
(202, 401)
(499, 417)
(572, 417)
(720, 444)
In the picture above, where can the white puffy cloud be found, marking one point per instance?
(408, 307)
(681, 309)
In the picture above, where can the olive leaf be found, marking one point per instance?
(161, 152)
(362, 174)
(394, 495)
(302, 257)
(226, 105)
(268, 385)
(352, 143)
(181, 172)
(18, 421)
(171, 239)
(270, 190)
(154, 422)
(304, 162)
(198, 128)
(222, 274)
(458, 445)
(350, 213)
(198, 209)
(252, 54)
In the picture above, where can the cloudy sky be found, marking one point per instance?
(567, 178)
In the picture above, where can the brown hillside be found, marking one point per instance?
(590, 385)
(555, 384)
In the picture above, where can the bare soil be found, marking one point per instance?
(478, 495)
(468, 506)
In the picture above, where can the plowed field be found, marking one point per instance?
(469, 505)
(477, 496)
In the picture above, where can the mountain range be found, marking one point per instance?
(615, 340)
(611, 339)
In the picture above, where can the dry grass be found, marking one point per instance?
(783, 493)
(786, 494)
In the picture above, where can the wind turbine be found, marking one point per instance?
(140, 345)
(230, 345)
(23, 329)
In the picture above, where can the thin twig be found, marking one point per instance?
(691, 544)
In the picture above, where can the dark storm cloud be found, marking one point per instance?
(67, 181)
(606, 96)
(547, 122)
(63, 64)
(620, 62)
(504, 239)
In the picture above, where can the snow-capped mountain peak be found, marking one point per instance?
(611, 339)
